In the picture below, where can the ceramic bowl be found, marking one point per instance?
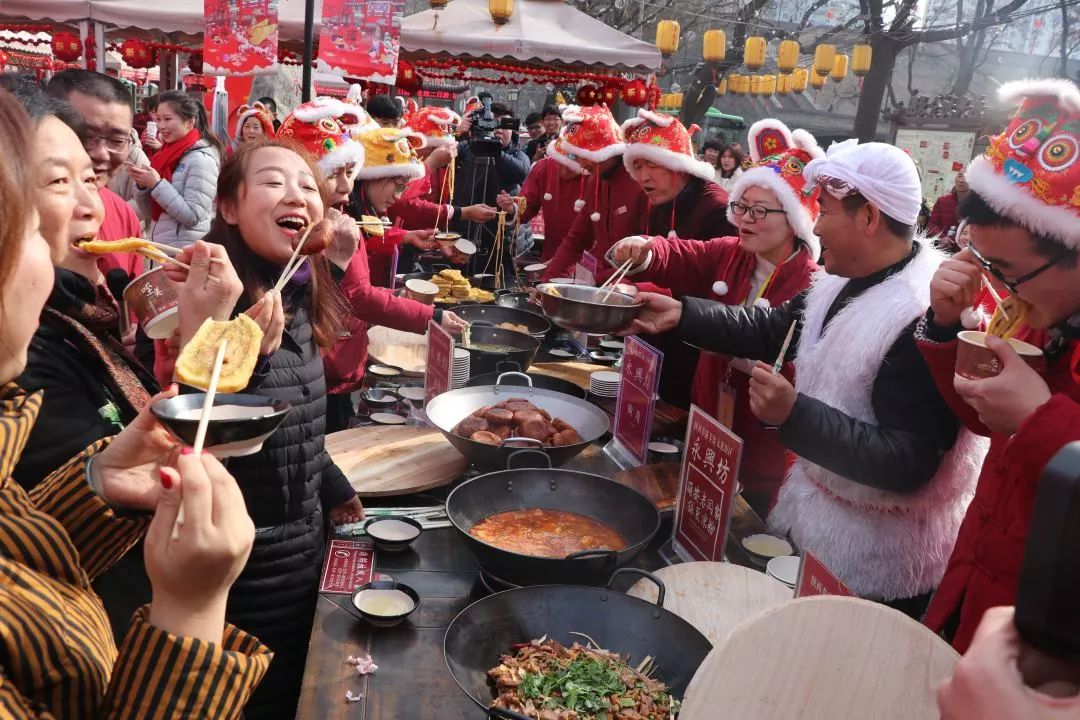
(238, 424)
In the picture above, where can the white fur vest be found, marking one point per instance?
(883, 545)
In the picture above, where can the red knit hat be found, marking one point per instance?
(1030, 172)
(436, 124)
(589, 133)
(256, 110)
(317, 127)
(780, 156)
(662, 140)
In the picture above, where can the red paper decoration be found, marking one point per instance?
(609, 94)
(407, 78)
(634, 92)
(587, 95)
(138, 54)
(5, 58)
(66, 47)
(194, 63)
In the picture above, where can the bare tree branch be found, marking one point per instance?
(995, 18)
(849, 25)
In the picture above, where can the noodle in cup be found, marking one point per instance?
(975, 361)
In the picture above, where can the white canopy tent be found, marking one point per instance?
(546, 31)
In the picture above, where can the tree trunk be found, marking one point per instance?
(873, 90)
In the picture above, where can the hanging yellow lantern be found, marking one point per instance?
(755, 84)
(754, 52)
(734, 84)
(818, 81)
(799, 79)
(437, 4)
(824, 56)
(501, 10)
(787, 57)
(768, 85)
(714, 46)
(667, 37)
(839, 68)
(783, 84)
(861, 56)
(721, 89)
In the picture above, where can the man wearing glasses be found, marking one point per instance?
(1023, 224)
(881, 477)
(105, 105)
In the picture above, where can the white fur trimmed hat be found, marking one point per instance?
(316, 126)
(258, 111)
(779, 157)
(591, 133)
(662, 140)
(390, 152)
(1030, 173)
(436, 124)
(558, 151)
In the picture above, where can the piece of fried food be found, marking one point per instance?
(1006, 328)
(125, 245)
(196, 361)
(488, 438)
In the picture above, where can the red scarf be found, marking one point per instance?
(165, 161)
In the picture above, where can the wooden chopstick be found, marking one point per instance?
(204, 420)
(286, 273)
(784, 348)
(997, 298)
(170, 250)
(163, 258)
(615, 278)
(297, 266)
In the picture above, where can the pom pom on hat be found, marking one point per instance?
(595, 217)
(720, 287)
(672, 234)
(547, 196)
(762, 303)
(972, 318)
(578, 205)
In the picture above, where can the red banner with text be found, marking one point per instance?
(360, 38)
(241, 37)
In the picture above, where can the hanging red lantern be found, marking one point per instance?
(653, 96)
(195, 62)
(138, 54)
(407, 78)
(66, 47)
(587, 95)
(635, 93)
(609, 94)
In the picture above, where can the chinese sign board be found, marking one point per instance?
(816, 579)
(707, 485)
(241, 37)
(440, 361)
(939, 154)
(641, 364)
(360, 38)
(348, 565)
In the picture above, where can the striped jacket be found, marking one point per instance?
(57, 655)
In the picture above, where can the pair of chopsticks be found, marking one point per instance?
(784, 348)
(615, 279)
(204, 420)
(294, 264)
(997, 298)
(163, 256)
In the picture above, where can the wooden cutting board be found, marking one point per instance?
(385, 460)
(405, 350)
(659, 482)
(823, 657)
(575, 372)
(714, 597)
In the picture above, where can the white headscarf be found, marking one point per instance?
(883, 174)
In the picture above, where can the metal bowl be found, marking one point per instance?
(578, 307)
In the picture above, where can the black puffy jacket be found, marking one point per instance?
(286, 486)
(915, 427)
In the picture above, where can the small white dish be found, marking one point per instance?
(411, 392)
(785, 569)
(605, 377)
(382, 418)
(558, 352)
(613, 345)
(764, 545)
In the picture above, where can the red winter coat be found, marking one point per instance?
(621, 204)
(984, 569)
(120, 222)
(371, 305)
(944, 215)
(545, 190)
(416, 209)
(693, 267)
(700, 213)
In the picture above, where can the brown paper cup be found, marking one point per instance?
(421, 291)
(154, 299)
(975, 361)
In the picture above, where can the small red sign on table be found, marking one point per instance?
(348, 565)
(440, 361)
(816, 579)
(710, 466)
(641, 364)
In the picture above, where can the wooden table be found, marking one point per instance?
(412, 682)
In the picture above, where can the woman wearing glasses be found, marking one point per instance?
(770, 262)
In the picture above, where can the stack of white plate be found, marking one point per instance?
(604, 383)
(785, 569)
(460, 372)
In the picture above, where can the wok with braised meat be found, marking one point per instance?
(516, 417)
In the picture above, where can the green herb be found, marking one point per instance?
(585, 685)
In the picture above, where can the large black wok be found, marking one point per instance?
(516, 377)
(520, 348)
(621, 508)
(445, 411)
(537, 325)
(630, 626)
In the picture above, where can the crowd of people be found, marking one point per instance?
(913, 485)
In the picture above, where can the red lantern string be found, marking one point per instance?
(90, 48)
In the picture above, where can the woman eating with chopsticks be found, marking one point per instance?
(179, 658)
(269, 202)
(770, 262)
